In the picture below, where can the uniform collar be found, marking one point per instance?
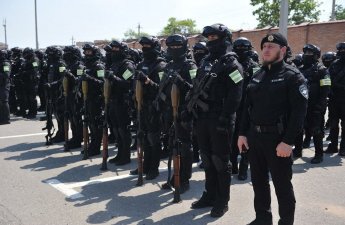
(275, 67)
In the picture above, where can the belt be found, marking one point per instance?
(265, 129)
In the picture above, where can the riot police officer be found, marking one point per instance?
(274, 111)
(120, 100)
(42, 69)
(328, 58)
(216, 96)
(319, 85)
(298, 60)
(5, 71)
(94, 75)
(56, 69)
(178, 71)
(337, 101)
(74, 70)
(17, 61)
(242, 47)
(199, 52)
(148, 72)
(30, 76)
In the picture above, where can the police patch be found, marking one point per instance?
(100, 73)
(192, 73)
(236, 76)
(34, 64)
(304, 91)
(160, 74)
(62, 69)
(79, 72)
(6, 68)
(127, 74)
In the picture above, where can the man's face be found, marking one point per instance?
(272, 52)
(88, 52)
(212, 37)
(115, 49)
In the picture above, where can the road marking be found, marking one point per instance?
(69, 192)
(23, 135)
(67, 189)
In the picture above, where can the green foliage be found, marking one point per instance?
(339, 12)
(300, 11)
(132, 34)
(175, 26)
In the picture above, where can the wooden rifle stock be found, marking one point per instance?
(175, 101)
(139, 99)
(85, 90)
(106, 93)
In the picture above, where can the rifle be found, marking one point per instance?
(175, 101)
(65, 122)
(106, 94)
(85, 89)
(49, 112)
(139, 99)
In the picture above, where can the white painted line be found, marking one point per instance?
(23, 135)
(69, 192)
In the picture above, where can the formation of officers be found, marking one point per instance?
(224, 97)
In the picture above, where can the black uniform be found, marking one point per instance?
(216, 96)
(337, 106)
(150, 118)
(318, 85)
(274, 111)
(5, 71)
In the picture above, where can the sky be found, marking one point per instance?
(89, 20)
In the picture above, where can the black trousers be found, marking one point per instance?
(264, 160)
(336, 113)
(215, 154)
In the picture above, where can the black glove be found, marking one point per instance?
(223, 124)
(141, 77)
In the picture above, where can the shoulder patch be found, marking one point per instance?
(6, 68)
(304, 91)
(79, 72)
(127, 74)
(236, 76)
(256, 69)
(34, 64)
(192, 73)
(62, 69)
(325, 82)
(160, 74)
(100, 73)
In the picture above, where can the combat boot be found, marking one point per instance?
(332, 148)
(317, 159)
(203, 202)
(219, 211)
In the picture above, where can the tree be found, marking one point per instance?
(131, 34)
(339, 12)
(299, 11)
(175, 26)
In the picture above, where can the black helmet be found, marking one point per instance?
(219, 29)
(54, 52)
(177, 46)
(134, 55)
(28, 53)
(242, 43)
(119, 44)
(340, 46)
(16, 52)
(254, 56)
(329, 56)
(152, 51)
(107, 48)
(3, 55)
(298, 60)
(72, 51)
(200, 46)
(313, 48)
(39, 54)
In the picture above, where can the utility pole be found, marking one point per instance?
(4, 24)
(284, 13)
(72, 40)
(138, 29)
(36, 25)
(333, 11)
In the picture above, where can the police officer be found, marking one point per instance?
(56, 70)
(5, 71)
(148, 72)
(179, 71)
(255, 56)
(199, 52)
(319, 85)
(15, 62)
(328, 58)
(94, 75)
(74, 70)
(18, 85)
(216, 96)
(242, 47)
(42, 69)
(337, 101)
(120, 99)
(30, 76)
(275, 107)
